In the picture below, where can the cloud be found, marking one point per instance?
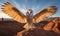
(3, 15)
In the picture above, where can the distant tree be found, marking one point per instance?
(2, 19)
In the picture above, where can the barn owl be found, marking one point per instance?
(29, 18)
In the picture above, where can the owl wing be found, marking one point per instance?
(44, 14)
(13, 12)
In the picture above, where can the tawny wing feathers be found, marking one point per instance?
(44, 14)
(18, 16)
(10, 10)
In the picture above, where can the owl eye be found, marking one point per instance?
(30, 12)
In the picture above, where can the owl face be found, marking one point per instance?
(29, 11)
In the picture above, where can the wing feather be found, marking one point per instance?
(10, 10)
(44, 14)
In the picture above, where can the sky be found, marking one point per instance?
(35, 5)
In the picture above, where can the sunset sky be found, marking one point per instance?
(35, 5)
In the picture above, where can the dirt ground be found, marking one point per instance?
(38, 32)
(46, 28)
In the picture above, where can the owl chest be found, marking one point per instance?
(29, 18)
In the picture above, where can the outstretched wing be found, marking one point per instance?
(10, 10)
(45, 13)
